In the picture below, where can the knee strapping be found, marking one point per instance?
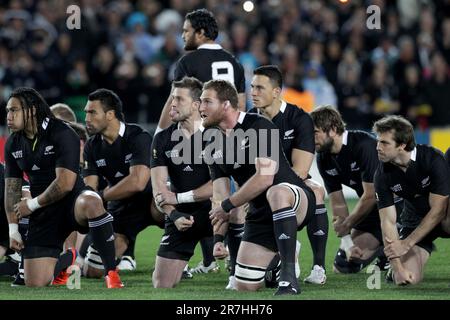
(249, 274)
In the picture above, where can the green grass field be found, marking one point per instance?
(211, 286)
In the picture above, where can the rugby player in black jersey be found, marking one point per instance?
(247, 147)
(47, 151)
(120, 153)
(420, 175)
(177, 156)
(348, 157)
(297, 136)
(205, 59)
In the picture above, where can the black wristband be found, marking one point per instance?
(226, 205)
(218, 238)
(175, 215)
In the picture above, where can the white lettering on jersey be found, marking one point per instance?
(17, 154)
(101, 163)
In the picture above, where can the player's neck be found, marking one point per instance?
(272, 110)
(111, 132)
(230, 120)
(189, 126)
(402, 160)
(337, 145)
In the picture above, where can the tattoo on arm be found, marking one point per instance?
(52, 194)
(13, 194)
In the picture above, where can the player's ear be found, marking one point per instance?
(276, 92)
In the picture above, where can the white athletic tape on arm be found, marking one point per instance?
(33, 204)
(186, 197)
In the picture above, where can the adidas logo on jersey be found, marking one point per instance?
(118, 174)
(283, 237)
(188, 169)
(35, 167)
(288, 134)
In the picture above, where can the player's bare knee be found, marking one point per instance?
(89, 205)
(37, 282)
(278, 197)
(319, 193)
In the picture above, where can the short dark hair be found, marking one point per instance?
(203, 19)
(109, 100)
(193, 84)
(225, 91)
(402, 129)
(30, 98)
(327, 118)
(272, 72)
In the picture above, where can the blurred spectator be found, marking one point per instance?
(316, 83)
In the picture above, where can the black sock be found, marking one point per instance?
(64, 261)
(9, 268)
(285, 230)
(235, 231)
(129, 251)
(318, 234)
(207, 245)
(103, 238)
(87, 241)
(272, 275)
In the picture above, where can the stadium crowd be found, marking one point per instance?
(325, 51)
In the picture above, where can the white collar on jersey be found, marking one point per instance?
(241, 117)
(121, 129)
(210, 46)
(283, 106)
(45, 123)
(414, 154)
(345, 138)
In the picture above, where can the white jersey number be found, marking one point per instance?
(223, 66)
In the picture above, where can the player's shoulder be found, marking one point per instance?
(360, 138)
(255, 120)
(133, 129)
(295, 113)
(425, 152)
(166, 133)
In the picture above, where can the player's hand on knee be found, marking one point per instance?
(395, 248)
(182, 221)
(22, 209)
(15, 238)
(218, 215)
(403, 277)
(220, 251)
(355, 253)
(340, 227)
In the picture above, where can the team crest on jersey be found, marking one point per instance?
(288, 135)
(48, 150)
(128, 158)
(353, 166)
(426, 182)
(332, 172)
(101, 163)
(17, 154)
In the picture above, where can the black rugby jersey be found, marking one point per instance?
(209, 62)
(296, 129)
(427, 173)
(355, 163)
(57, 147)
(113, 161)
(253, 136)
(184, 160)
